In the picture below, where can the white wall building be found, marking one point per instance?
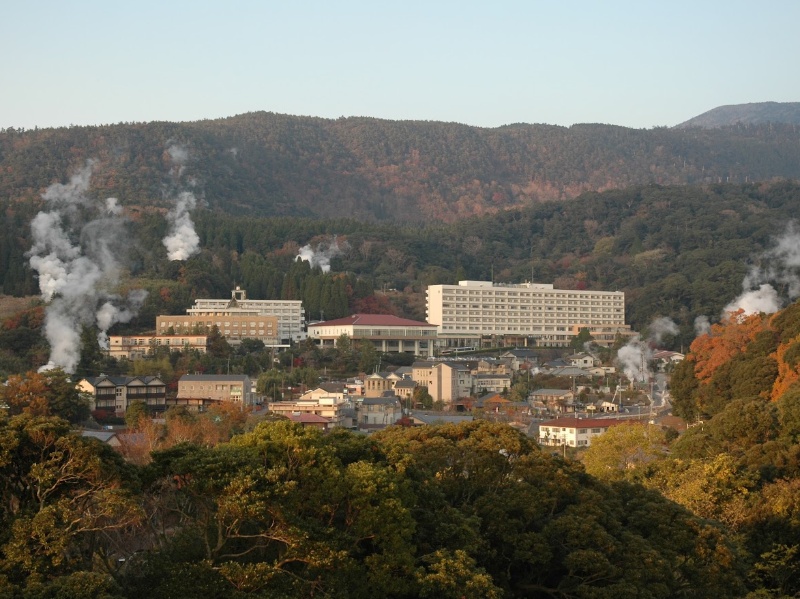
(472, 309)
(389, 334)
(574, 432)
(289, 313)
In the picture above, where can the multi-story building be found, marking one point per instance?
(497, 383)
(446, 381)
(574, 432)
(337, 410)
(389, 334)
(379, 412)
(140, 346)
(116, 393)
(234, 326)
(200, 391)
(468, 312)
(272, 321)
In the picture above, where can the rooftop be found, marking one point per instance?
(371, 320)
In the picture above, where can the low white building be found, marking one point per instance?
(574, 432)
(337, 410)
(389, 334)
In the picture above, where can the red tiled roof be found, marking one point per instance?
(385, 320)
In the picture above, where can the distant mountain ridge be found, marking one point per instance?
(370, 169)
(757, 113)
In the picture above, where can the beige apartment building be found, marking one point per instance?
(446, 381)
(200, 391)
(289, 314)
(140, 346)
(467, 312)
(233, 326)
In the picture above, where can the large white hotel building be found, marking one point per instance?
(474, 310)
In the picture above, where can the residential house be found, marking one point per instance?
(582, 360)
(574, 432)
(491, 366)
(666, 358)
(200, 391)
(116, 393)
(335, 390)
(379, 412)
(554, 400)
(108, 437)
(311, 421)
(335, 409)
(485, 383)
(518, 358)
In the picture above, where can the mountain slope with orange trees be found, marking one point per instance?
(741, 358)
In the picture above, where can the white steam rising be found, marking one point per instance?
(779, 266)
(75, 247)
(321, 255)
(634, 358)
(702, 326)
(182, 242)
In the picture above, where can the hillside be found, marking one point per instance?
(680, 252)
(368, 169)
(757, 113)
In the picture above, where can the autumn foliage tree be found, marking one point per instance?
(49, 393)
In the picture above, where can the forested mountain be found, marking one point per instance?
(369, 169)
(679, 252)
(757, 113)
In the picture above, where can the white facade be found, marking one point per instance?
(574, 432)
(289, 313)
(475, 308)
(389, 334)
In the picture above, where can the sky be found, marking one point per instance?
(638, 64)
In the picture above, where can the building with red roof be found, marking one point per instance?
(389, 334)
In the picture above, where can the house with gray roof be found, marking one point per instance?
(116, 393)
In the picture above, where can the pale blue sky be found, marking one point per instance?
(633, 63)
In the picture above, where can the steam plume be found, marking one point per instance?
(634, 358)
(182, 242)
(701, 325)
(75, 244)
(779, 265)
(322, 255)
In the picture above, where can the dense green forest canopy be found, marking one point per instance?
(369, 169)
(474, 510)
